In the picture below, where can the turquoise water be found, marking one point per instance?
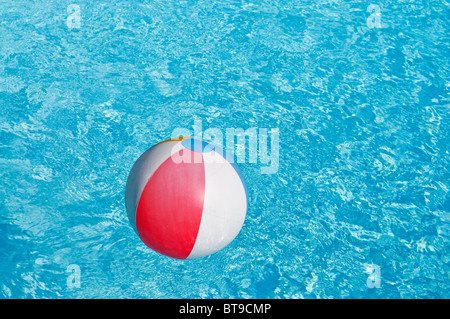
(357, 208)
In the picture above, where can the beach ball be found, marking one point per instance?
(185, 199)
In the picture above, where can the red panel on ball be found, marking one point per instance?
(170, 208)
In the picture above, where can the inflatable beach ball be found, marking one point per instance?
(184, 199)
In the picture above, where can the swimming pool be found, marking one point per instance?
(357, 206)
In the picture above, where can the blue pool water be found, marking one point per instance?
(359, 91)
